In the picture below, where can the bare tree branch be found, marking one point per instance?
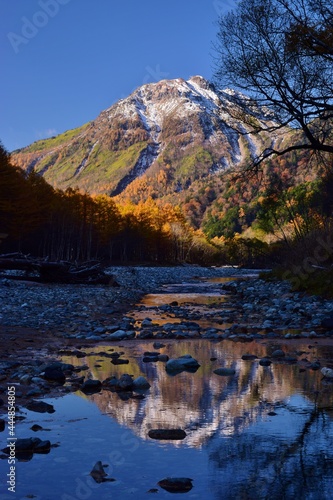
(280, 51)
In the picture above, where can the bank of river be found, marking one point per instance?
(256, 411)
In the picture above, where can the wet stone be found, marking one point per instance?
(40, 407)
(315, 366)
(225, 371)
(163, 358)
(29, 446)
(278, 353)
(183, 363)
(149, 357)
(55, 375)
(98, 473)
(265, 362)
(141, 383)
(119, 361)
(158, 345)
(36, 428)
(167, 434)
(249, 357)
(176, 484)
(91, 386)
(290, 359)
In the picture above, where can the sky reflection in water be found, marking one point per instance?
(234, 448)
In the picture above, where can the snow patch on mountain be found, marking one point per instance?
(84, 161)
(147, 157)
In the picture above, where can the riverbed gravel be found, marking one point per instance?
(95, 311)
(68, 308)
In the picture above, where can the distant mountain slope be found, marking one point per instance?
(161, 139)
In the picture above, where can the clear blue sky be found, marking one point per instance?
(64, 61)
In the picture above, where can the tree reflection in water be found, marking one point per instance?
(290, 457)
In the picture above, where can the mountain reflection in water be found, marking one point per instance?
(267, 431)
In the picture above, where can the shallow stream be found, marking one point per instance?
(265, 432)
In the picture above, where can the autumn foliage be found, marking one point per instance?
(35, 218)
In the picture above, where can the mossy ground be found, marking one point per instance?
(318, 282)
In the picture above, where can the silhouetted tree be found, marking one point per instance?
(281, 52)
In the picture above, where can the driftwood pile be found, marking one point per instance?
(87, 273)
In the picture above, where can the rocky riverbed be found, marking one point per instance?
(62, 339)
(80, 311)
(86, 310)
(38, 322)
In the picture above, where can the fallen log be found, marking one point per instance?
(55, 272)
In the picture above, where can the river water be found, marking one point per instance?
(265, 432)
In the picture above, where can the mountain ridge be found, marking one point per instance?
(183, 130)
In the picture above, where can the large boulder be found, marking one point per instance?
(183, 363)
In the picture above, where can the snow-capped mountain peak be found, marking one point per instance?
(185, 128)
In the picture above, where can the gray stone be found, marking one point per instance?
(119, 361)
(183, 363)
(141, 383)
(147, 322)
(224, 371)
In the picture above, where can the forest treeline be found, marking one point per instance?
(70, 225)
(244, 225)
